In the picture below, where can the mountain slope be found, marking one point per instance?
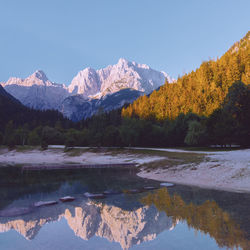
(201, 91)
(77, 107)
(6, 97)
(13, 110)
(36, 91)
(10, 108)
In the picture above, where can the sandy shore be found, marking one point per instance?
(58, 156)
(228, 170)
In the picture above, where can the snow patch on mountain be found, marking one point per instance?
(113, 78)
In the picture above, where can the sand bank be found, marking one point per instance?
(228, 170)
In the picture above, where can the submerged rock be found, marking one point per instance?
(133, 191)
(111, 192)
(16, 211)
(149, 188)
(167, 184)
(94, 196)
(67, 199)
(45, 203)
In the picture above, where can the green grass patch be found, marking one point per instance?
(75, 151)
(174, 159)
(171, 159)
(26, 148)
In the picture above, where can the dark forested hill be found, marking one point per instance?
(201, 91)
(12, 110)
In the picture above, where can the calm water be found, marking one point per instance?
(178, 217)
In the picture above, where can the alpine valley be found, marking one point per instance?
(90, 90)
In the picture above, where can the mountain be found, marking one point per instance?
(124, 74)
(202, 91)
(110, 88)
(89, 91)
(78, 107)
(37, 91)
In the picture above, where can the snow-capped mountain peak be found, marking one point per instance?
(39, 74)
(37, 91)
(113, 78)
(89, 90)
(37, 78)
(86, 82)
(122, 62)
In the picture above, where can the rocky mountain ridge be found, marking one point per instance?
(124, 74)
(38, 92)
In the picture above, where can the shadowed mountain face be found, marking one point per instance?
(127, 219)
(77, 107)
(4, 95)
(13, 110)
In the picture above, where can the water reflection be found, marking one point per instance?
(91, 218)
(128, 219)
(207, 217)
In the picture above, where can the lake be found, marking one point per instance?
(177, 217)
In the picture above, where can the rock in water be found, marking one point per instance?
(133, 191)
(67, 199)
(94, 196)
(111, 192)
(15, 211)
(45, 203)
(167, 184)
(150, 188)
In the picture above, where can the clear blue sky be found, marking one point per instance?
(62, 37)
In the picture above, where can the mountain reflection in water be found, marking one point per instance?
(95, 219)
(128, 219)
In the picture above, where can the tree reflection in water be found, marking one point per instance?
(207, 218)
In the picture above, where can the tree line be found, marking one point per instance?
(229, 124)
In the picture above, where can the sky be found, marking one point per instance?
(62, 37)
